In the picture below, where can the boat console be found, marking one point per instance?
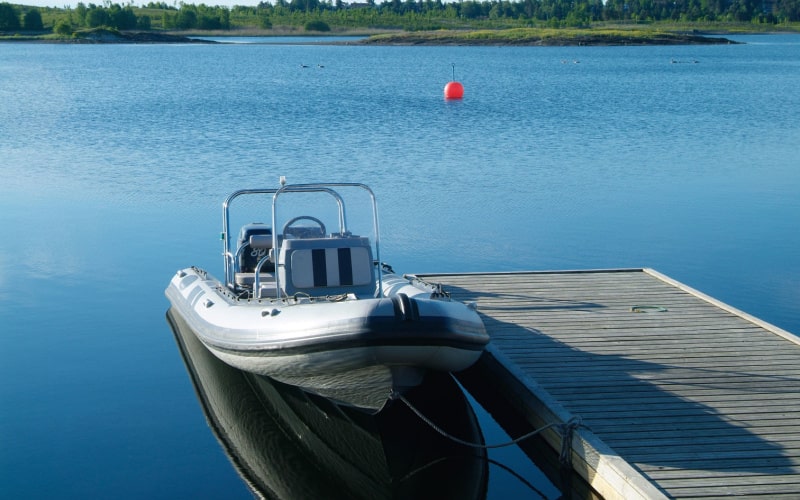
(301, 256)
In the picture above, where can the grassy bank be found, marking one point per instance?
(683, 34)
(546, 37)
(102, 35)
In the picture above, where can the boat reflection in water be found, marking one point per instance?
(286, 443)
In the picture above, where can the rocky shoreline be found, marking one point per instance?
(138, 37)
(102, 35)
(584, 39)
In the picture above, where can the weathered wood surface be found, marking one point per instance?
(700, 400)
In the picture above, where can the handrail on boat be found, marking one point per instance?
(226, 235)
(327, 188)
(309, 188)
(257, 277)
(230, 258)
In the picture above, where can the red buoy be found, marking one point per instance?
(453, 90)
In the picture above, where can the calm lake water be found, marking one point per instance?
(114, 161)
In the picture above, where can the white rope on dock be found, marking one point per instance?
(566, 430)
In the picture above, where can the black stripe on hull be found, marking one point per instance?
(378, 333)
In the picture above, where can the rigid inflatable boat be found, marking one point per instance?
(316, 308)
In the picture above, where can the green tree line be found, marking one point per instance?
(321, 15)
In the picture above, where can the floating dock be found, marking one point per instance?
(679, 395)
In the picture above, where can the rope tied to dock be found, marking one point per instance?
(566, 429)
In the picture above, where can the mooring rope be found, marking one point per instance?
(503, 466)
(566, 430)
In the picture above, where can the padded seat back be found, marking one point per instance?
(327, 266)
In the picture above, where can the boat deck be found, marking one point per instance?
(681, 395)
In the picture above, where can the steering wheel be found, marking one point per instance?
(304, 217)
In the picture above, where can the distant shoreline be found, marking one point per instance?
(507, 37)
(549, 38)
(107, 36)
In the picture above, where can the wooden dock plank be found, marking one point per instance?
(687, 398)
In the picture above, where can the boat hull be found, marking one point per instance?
(286, 443)
(355, 351)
